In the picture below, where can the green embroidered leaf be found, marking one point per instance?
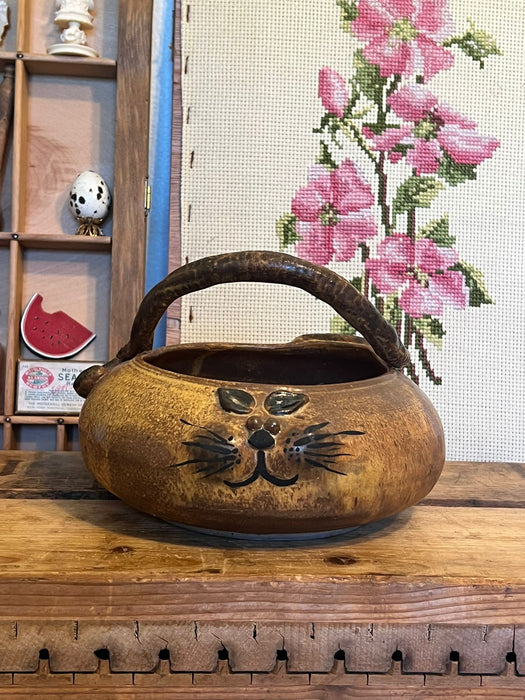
(474, 280)
(476, 44)
(416, 192)
(325, 157)
(455, 173)
(368, 78)
(431, 329)
(357, 282)
(287, 231)
(349, 12)
(438, 231)
(339, 325)
(326, 120)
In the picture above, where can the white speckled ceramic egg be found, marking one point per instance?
(89, 197)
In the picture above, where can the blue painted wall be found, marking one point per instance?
(160, 149)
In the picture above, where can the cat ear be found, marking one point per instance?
(282, 403)
(235, 400)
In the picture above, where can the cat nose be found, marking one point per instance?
(261, 439)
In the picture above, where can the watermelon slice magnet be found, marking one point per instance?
(53, 335)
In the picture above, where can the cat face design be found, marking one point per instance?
(281, 449)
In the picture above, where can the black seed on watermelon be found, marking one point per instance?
(40, 340)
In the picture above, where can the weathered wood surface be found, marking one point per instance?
(85, 553)
(196, 646)
(253, 693)
(131, 167)
(51, 475)
(81, 571)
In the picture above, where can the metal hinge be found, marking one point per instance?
(147, 196)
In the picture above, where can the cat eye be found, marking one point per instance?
(282, 403)
(278, 403)
(235, 400)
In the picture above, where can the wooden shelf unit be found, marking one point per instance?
(71, 114)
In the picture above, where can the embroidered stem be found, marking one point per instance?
(382, 194)
(353, 132)
(423, 358)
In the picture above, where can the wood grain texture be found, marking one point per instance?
(131, 168)
(13, 321)
(411, 549)
(90, 68)
(94, 555)
(256, 693)
(182, 615)
(473, 484)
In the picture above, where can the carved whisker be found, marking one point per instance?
(321, 436)
(220, 449)
(315, 463)
(315, 428)
(324, 436)
(327, 456)
(219, 437)
(303, 441)
(211, 460)
(213, 440)
(316, 437)
(217, 471)
(321, 445)
(311, 437)
(325, 461)
(318, 440)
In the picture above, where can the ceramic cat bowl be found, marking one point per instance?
(301, 439)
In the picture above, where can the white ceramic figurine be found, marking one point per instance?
(73, 16)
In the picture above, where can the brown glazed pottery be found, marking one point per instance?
(300, 439)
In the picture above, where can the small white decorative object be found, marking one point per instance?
(73, 16)
(4, 18)
(89, 202)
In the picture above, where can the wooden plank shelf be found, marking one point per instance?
(22, 419)
(64, 241)
(72, 66)
(431, 600)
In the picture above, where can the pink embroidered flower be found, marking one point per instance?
(333, 214)
(333, 91)
(405, 36)
(421, 272)
(465, 146)
(435, 129)
(412, 102)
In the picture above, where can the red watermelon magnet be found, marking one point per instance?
(53, 335)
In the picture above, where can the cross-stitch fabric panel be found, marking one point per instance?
(384, 139)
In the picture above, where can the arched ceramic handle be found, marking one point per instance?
(255, 266)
